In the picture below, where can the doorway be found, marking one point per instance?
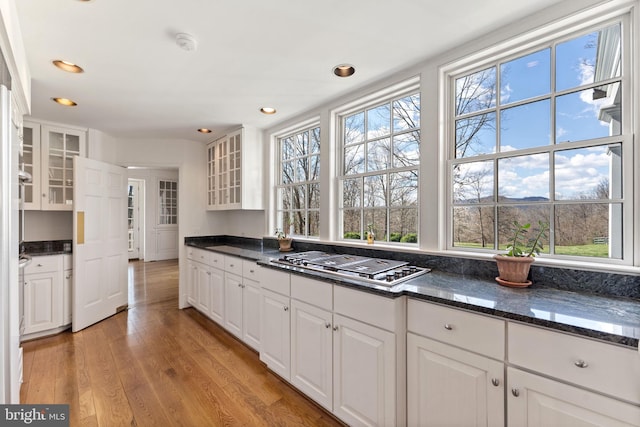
(135, 215)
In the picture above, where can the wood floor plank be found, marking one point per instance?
(156, 365)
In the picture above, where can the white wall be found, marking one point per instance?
(48, 225)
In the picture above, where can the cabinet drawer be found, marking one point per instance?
(603, 367)
(276, 281)
(44, 264)
(386, 313)
(250, 270)
(311, 291)
(216, 260)
(233, 265)
(473, 332)
(199, 255)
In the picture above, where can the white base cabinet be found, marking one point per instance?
(535, 401)
(275, 335)
(453, 387)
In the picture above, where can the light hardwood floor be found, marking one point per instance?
(156, 365)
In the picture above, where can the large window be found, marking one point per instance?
(380, 148)
(539, 136)
(298, 187)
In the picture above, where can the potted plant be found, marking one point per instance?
(513, 266)
(371, 235)
(283, 241)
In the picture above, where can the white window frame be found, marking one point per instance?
(520, 46)
(402, 89)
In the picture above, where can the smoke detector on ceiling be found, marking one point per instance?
(186, 42)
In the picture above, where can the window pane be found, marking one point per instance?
(354, 129)
(406, 150)
(354, 159)
(583, 230)
(378, 155)
(299, 195)
(589, 58)
(588, 173)
(287, 148)
(314, 196)
(473, 182)
(378, 218)
(525, 126)
(374, 191)
(302, 144)
(403, 189)
(314, 223)
(588, 114)
(406, 113)
(523, 178)
(403, 225)
(314, 168)
(524, 214)
(351, 224)
(476, 135)
(473, 227)
(287, 172)
(352, 193)
(525, 77)
(476, 91)
(379, 121)
(302, 171)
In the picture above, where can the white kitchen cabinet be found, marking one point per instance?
(450, 386)
(192, 283)
(536, 401)
(30, 162)
(455, 367)
(275, 332)
(67, 278)
(364, 373)
(43, 294)
(205, 283)
(234, 168)
(570, 380)
(251, 297)
(233, 304)
(312, 352)
(203, 292)
(48, 153)
(216, 286)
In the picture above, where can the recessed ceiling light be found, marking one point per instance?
(344, 70)
(65, 101)
(268, 110)
(68, 66)
(204, 130)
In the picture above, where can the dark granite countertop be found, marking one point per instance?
(610, 319)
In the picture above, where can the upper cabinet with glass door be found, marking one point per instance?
(234, 171)
(58, 147)
(30, 162)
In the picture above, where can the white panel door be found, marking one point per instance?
(452, 387)
(100, 250)
(364, 368)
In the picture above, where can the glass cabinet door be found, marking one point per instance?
(60, 146)
(212, 191)
(30, 162)
(235, 168)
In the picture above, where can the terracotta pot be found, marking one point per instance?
(512, 268)
(285, 244)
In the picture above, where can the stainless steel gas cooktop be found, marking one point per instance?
(385, 272)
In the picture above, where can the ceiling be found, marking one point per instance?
(250, 53)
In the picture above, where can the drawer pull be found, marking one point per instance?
(327, 325)
(495, 382)
(286, 308)
(581, 363)
(448, 327)
(335, 328)
(515, 392)
(39, 265)
(231, 265)
(208, 273)
(251, 271)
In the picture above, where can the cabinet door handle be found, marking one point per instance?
(286, 308)
(39, 265)
(335, 328)
(231, 265)
(581, 363)
(495, 382)
(327, 325)
(251, 271)
(448, 327)
(208, 273)
(239, 285)
(68, 277)
(515, 392)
